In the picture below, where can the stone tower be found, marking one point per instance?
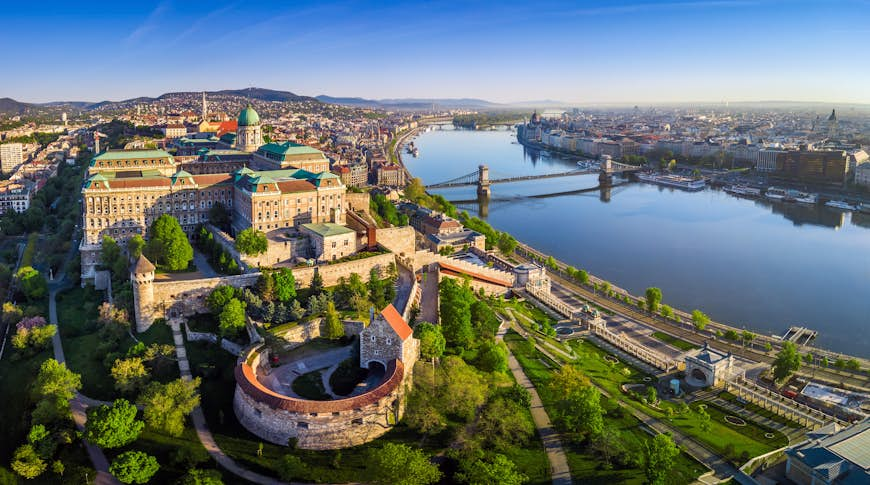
(248, 137)
(142, 278)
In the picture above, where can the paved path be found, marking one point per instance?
(429, 298)
(559, 470)
(80, 403)
(201, 427)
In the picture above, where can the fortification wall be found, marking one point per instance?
(358, 201)
(297, 335)
(316, 425)
(399, 240)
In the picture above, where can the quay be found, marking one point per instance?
(800, 335)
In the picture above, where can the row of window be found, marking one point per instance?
(159, 207)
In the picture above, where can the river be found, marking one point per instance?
(750, 263)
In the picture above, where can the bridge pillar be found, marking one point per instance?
(483, 189)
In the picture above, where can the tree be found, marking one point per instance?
(55, 385)
(704, 420)
(497, 469)
(504, 423)
(659, 455)
(582, 276)
(506, 243)
(399, 464)
(134, 467)
(415, 190)
(653, 299)
(252, 242)
(788, 360)
(285, 285)
(113, 427)
(219, 216)
(135, 245)
(732, 335)
(492, 357)
(219, 297)
(166, 405)
(201, 477)
(32, 283)
(455, 311)
(316, 283)
(432, 341)
(699, 320)
(291, 467)
(27, 463)
(232, 317)
(578, 406)
(112, 258)
(334, 327)
(168, 245)
(377, 295)
(129, 374)
(747, 337)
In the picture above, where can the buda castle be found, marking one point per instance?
(265, 186)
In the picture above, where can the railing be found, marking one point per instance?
(781, 405)
(551, 301)
(628, 345)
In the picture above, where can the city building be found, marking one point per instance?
(11, 156)
(831, 455)
(457, 241)
(862, 175)
(390, 175)
(275, 156)
(353, 175)
(815, 166)
(133, 162)
(15, 195)
(249, 136)
(330, 241)
(707, 367)
(174, 130)
(770, 160)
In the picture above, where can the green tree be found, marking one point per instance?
(32, 283)
(704, 420)
(496, 469)
(377, 295)
(732, 335)
(201, 477)
(219, 216)
(578, 405)
(667, 311)
(432, 341)
(316, 283)
(699, 320)
(129, 374)
(415, 190)
(219, 297)
(506, 243)
(168, 245)
(112, 258)
(134, 467)
(166, 405)
(54, 387)
(27, 463)
(788, 360)
(455, 311)
(747, 337)
(399, 464)
(504, 423)
(653, 299)
(582, 276)
(113, 427)
(232, 317)
(285, 285)
(492, 357)
(251, 242)
(334, 327)
(135, 246)
(291, 467)
(659, 455)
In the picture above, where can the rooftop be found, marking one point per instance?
(327, 229)
(131, 154)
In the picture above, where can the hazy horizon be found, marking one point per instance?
(638, 52)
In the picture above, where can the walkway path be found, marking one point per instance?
(559, 470)
(80, 403)
(201, 427)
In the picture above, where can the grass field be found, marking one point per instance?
(586, 465)
(674, 341)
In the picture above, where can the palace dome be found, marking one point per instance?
(248, 117)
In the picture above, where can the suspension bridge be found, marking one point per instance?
(481, 178)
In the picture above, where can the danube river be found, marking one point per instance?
(749, 263)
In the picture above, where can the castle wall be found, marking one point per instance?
(399, 240)
(358, 202)
(297, 335)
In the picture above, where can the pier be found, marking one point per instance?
(799, 335)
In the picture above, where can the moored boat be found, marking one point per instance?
(743, 190)
(839, 204)
(678, 181)
(776, 193)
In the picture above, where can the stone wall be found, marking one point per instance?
(177, 298)
(399, 240)
(358, 202)
(316, 425)
(297, 335)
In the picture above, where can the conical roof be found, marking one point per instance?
(143, 265)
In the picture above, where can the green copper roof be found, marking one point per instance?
(249, 117)
(130, 155)
(327, 229)
(287, 148)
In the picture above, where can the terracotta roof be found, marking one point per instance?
(247, 381)
(212, 178)
(143, 265)
(227, 127)
(295, 186)
(391, 315)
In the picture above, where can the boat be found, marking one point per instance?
(743, 190)
(678, 181)
(864, 207)
(839, 204)
(775, 193)
(804, 197)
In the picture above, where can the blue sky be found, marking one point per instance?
(585, 52)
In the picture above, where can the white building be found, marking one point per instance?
(862, 175)
(15, 195)
(11, 156)
(767, 160)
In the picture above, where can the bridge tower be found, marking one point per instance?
(605, 178)
(483, 190)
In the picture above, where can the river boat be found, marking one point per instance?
(776, 193)
(839, 204)
(804, 197)
(743, 190)
(678, 181)
(864, 207)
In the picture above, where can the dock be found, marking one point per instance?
(799, 335)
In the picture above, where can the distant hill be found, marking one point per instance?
(410, 103)
(10, 106)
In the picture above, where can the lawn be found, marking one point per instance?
(16, 375)
(86, 351)
(754, 408)
(749, 439)
(586, 465)
(216, 367)
(346, 377)
(674, 341)
(310, 386)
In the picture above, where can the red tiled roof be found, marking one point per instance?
(212, 178)
(227, 127)
(391, 315)
(247, 381)
(295, 186)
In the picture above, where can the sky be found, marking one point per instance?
(617, 51)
